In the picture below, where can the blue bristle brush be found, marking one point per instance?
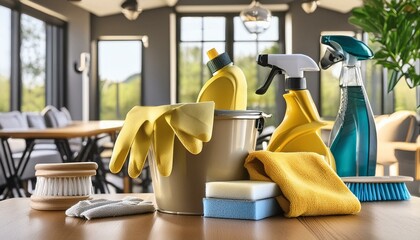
(386, 188)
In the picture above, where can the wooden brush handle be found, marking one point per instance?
(66, 169)
(73, 166)
(65, 173)
(55, 203)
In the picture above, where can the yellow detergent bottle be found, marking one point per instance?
(298, 131)
(228, 87)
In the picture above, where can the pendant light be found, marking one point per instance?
(256, 18)
(130, 9)
(309, 6)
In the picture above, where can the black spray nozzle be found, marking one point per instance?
(274, 71)
(331, 57)
(262, 60)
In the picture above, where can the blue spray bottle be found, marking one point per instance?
(353, 139)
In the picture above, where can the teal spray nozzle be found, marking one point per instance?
(344, 48)
(292, 65)
(353, 139)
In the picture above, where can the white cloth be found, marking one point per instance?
(99, 208)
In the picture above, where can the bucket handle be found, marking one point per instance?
(259, 124)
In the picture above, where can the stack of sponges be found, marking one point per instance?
(252, 200)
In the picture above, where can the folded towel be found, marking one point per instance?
(99, 208)
(191, 123)
(309, 186)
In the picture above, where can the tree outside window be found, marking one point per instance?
(5, 53)
(33, 61)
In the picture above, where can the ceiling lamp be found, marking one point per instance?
(309, 6)
(130, 9)
(256, 18)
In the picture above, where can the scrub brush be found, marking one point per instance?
(386, 188)
(62, 185)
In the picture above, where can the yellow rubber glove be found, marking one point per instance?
(191, 123)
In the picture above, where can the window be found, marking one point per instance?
(32, 73)
(404, 97)
(5, 58)
(119, 68)
(32, 55)
(226, 33)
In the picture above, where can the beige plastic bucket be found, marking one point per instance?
(222, 159)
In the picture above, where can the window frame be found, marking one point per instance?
(56, 55)
(95, 67)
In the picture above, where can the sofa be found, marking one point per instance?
(44, 151)
(398, 128)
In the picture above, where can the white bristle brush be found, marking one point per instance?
(61, 185)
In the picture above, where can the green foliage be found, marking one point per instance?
(129, 90)
(190, 67)
(32, 60)
(394, 26)
(33, 98)
(5, 94)
(255, 77)
(404, 97)
(330, 94)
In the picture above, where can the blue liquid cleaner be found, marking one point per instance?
(354, 135)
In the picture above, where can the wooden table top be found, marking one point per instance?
(74, 130)
(377, 220)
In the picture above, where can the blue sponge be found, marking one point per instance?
(240, 209)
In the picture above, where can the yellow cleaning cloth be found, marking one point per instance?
(309, 186)
(192, 123)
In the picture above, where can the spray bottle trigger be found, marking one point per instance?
(330, 57)
(274, 71)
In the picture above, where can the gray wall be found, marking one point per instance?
(84, 28)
